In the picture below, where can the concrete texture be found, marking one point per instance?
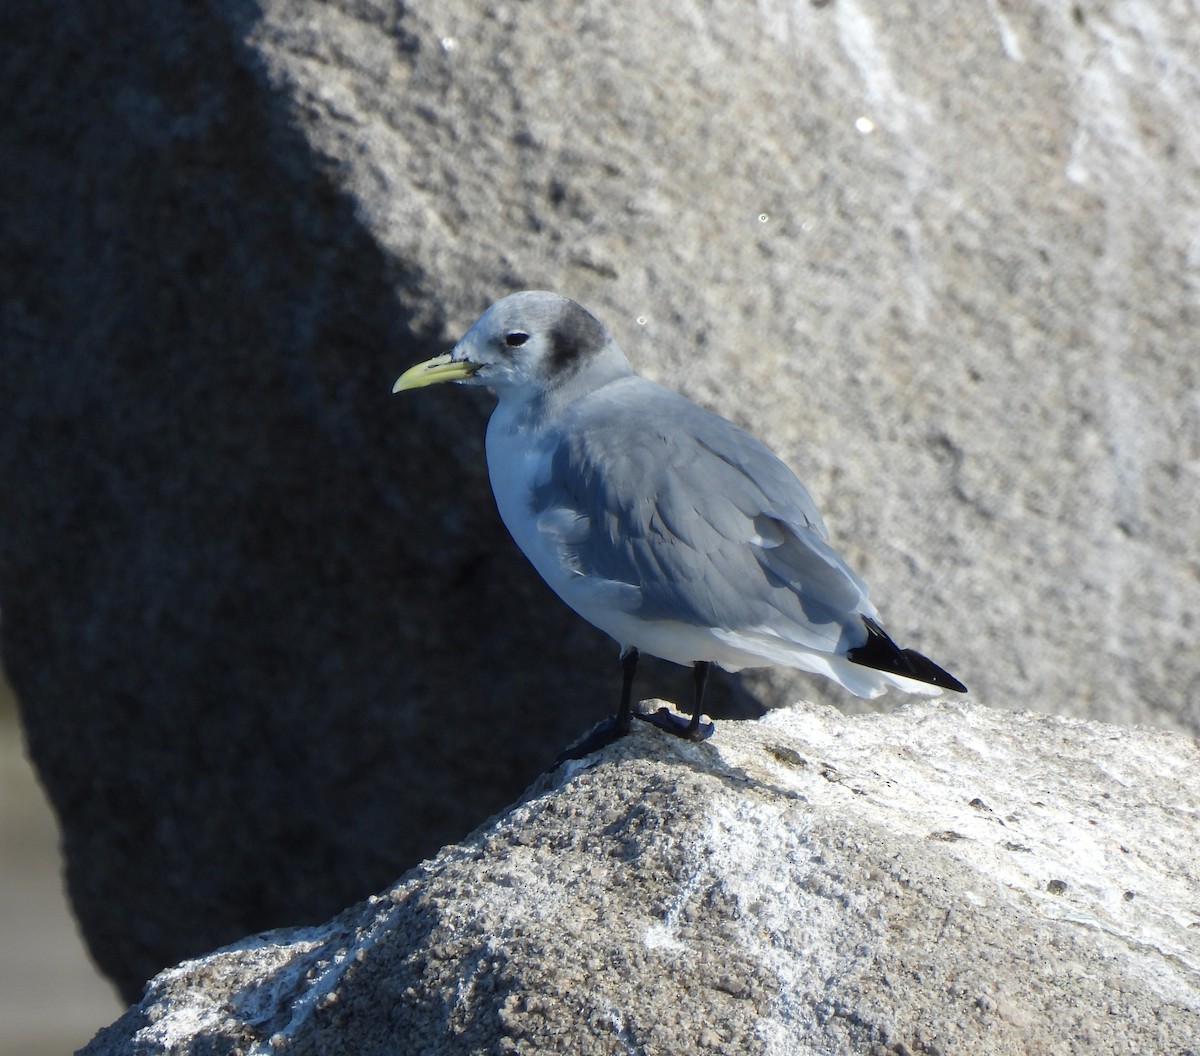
(946, 879)
(270, 641)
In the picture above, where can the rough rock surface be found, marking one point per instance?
(942, 256)
(946, 879)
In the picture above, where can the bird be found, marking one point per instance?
(663, 524)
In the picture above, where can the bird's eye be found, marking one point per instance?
(516, 339)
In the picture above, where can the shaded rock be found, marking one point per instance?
(946, 879)
(942, 259)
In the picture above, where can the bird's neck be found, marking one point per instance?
(529, 406)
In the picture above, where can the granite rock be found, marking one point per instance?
(271, 643)
(946, 879)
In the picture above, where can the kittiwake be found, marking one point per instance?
(664, 525)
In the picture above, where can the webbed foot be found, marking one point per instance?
(610, 730)
(689, 729)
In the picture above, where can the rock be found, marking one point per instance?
(271, 643)
(946, 879)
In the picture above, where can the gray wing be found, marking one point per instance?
(712, 527)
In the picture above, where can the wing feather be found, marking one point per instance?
(711, 526)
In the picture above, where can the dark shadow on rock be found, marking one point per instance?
(271, 642)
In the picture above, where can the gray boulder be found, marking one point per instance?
(271, 643)
(946, 879)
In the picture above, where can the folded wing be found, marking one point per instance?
(648, 489)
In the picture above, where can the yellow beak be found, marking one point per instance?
(432, 371)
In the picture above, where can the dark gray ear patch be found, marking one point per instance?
(574, 338)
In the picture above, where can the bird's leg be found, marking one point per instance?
(693, 730)
(700, 679)
(612, 729)
(624, 719)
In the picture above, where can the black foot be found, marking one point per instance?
(612, 729)
(689, 730)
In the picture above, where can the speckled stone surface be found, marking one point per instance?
(946, 879)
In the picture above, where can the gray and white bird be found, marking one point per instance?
(664, 525)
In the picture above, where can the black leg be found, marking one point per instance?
(629, 662)
(700, 678)
(610, 729)
(693, 730)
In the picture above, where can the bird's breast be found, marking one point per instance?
(519, 466)
(519, 460)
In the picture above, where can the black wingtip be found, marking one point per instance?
(882, 654)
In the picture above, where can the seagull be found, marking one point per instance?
(664, 525)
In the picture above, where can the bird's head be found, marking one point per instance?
(531, 341)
